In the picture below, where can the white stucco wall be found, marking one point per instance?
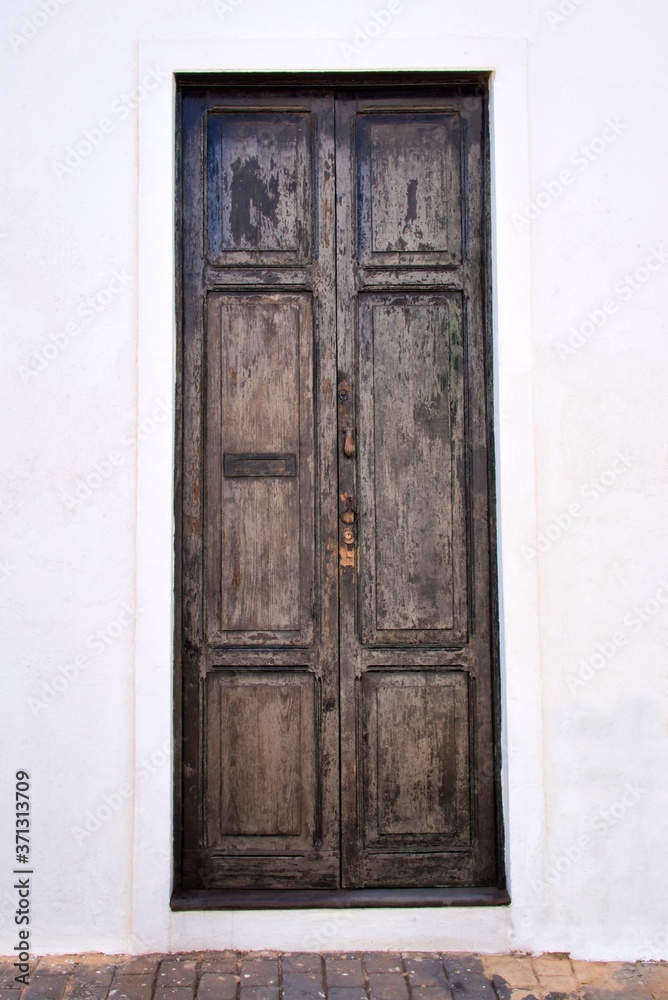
(582, 356)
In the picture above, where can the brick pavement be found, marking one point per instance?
(359, 976)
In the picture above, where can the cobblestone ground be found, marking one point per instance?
(360, 976)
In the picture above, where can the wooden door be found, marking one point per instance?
(335, 603)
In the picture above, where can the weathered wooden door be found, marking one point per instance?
(336, 699)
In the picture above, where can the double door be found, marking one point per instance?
(336, 699)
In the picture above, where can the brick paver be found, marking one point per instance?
(342, 970)
(90, 983)
(347, 993)
(217, 986)
(383, 961)
(442, 992)
(140, 965)
(387, 986)
(302, 985)
(259, 972)
(58, 965)
(425, 971)
(511, 972)
(556, 976)
(259, 993)
(7, 973)
(302, 962)
(131, 987)
(220, 962)
(44, 986)
(467, 978)
(228, 975)
(177, 972)
(174, 992)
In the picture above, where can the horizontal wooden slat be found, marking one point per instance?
(209, 870)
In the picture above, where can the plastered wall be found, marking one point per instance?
(580, 277)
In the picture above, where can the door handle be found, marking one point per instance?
(349, 443)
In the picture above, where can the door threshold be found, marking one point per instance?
(303, 899)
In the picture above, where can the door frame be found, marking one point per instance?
(151, 926)
(183, 898)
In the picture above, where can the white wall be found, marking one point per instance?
(85, 570)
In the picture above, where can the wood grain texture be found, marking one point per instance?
(258, 186)
(260, 564)
(409, 176)
(417, 788)
(411, 308)
(190, 646)
(413, 536)
(261, 768)
(257, 797)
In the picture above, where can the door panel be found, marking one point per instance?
(258, 187)
(261, 767)
(336, 635)
(259, 463)
(412, 469)
(409, 176)
(417, 789)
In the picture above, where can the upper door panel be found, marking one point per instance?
(409, 179)
(259, 191)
